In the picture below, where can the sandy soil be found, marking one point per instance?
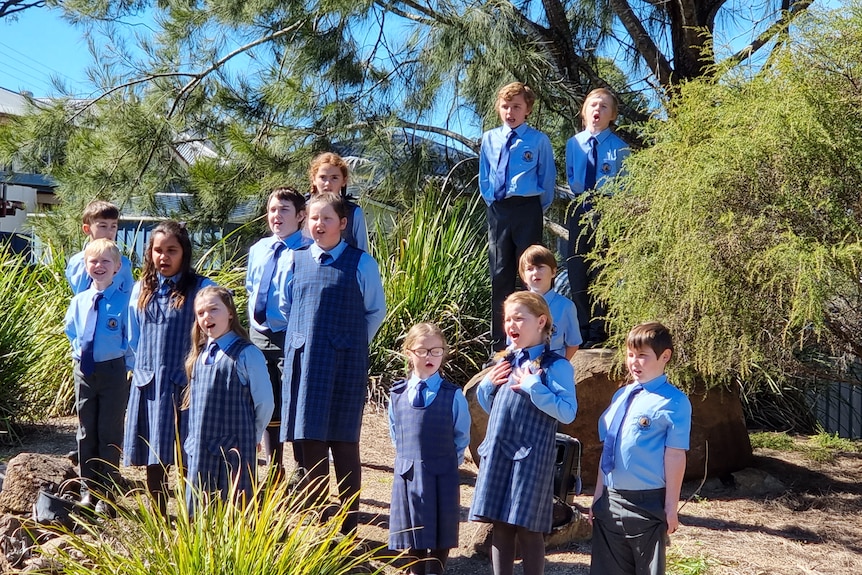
(784, 516)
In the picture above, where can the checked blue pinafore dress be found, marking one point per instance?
(221, 442)
(159, 380)
(326, 351)
(516, 473)
(425, 503)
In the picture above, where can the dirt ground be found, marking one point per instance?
(784, 516)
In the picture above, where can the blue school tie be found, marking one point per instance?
(609, 448)
(419, 398)
(592, 162)
(88, 362)
(266, 281)
(212, 350)
(324, 259)
(501, 176)
(166, 288)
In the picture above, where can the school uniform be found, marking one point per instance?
(611, 151)
(231, 404)
(514, 207)
(566, 330)
(632, 504)
(430, 435)
(516, 473)
(76, 274)
(268, 336)
(160, 336)
(100, 394)
(335, 304)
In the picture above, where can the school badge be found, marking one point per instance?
(644, 422)
(528, 156)
(606, 168)
(113, 324)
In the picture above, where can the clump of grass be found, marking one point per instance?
(820, 448)
(772, 440)
(679, 564)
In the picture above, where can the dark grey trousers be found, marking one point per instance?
(629, 529)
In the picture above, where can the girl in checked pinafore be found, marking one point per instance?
(526, 393)
(429, 423)
(229, 401)
(161, 314)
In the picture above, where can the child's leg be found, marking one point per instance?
(420, 556)
(157, 486)
(316, 480)
(503, 548)
(532, 551)
(437, 561)
(86, 404)
(348, 472)
(274, 450)
(113, 397)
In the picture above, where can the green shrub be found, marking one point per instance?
(678, 564)
(772, 440)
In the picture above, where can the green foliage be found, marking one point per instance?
(820, 448)
(678, 564)
(434, 267)
(35, 366)
(271, 535)
(771, 440)
(740, 227)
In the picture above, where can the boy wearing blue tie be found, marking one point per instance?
(100, 220)
(646, 434)
(516, 179)
(96, 324)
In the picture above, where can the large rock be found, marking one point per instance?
(719, 439)
(26, 473)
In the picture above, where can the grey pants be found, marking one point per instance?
(629, 529)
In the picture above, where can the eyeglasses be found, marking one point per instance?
(433, 352)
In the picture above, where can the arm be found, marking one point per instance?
(557, 398)
(570, 351)
(371, 286)
(71, 330)
(360, 229)
(498, 375)
(674, 470)
(134, 326)
(391, 414)
(254, 373)
(124, 279)
(575, 166)
(485, 171)
(461, 417)
(600, 490)
(546, 173)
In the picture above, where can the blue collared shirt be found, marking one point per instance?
(109, 337)
(460, 411)
(258, 255)
(531, 164)
(566, 330)
(76, 274)
(367, 276)
(611, 153)
(659, 417)
(557, 398)
(252, 371)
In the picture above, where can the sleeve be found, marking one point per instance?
(461, 416)
(134, 326)
(249, 270)
(371, 286)
(557, 396)
(283, 280)
(570, 326)
(485, 171)
(391, 413)
(125, 280)
(546, 174)
(71, 330)
(360, 229)
(485, 392)
(574, 167)
(679, 430)
(254, 373)
(73, 270)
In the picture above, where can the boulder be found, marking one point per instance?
(26, 473)
(719, 438)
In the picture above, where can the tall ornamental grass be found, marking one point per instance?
(434, 265)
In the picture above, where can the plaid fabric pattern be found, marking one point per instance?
(153, 419)
(326, 351)
(425, 498)
(221, 442)
(516, 473)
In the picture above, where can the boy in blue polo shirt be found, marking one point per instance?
(96, 324)
(100, 220)
(646, 434)
(516, 179)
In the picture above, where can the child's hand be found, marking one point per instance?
(519, 373)
(500, 373)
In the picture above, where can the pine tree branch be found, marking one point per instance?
(787, 16)
(655, 59)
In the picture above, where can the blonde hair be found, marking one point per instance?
(536, 255)
(328, 159)
(615, 104)
(509, 91)
(103, 246)
(425, 329)
(536, 305)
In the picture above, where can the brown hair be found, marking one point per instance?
(328, 159)
(150, 273)
(615, 104)
(651, 334)
(509, 91)
(287, 194)
(199, 338)
(100, 210)
(102, 246)
(329, 199)
(536, 255)
(536, 305)
(424, 329)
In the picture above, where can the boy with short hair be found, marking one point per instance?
(516, 179)
(593, 157)
(96, 324)
(537, 268)
(646, 434)
(100, 220)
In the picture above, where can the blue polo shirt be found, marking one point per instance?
(110, 339)
(659, 417)
(610, 155)
(531, 164)
(566, 330)
(258, 255)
